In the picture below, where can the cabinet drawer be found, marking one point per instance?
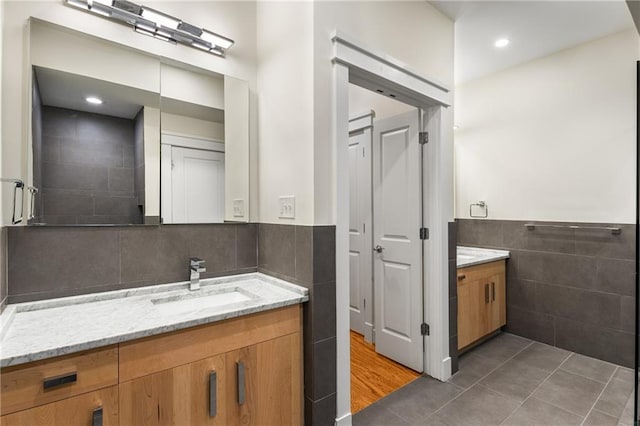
(43, 382)
(481, 272)
(154, 354)
(98, 408)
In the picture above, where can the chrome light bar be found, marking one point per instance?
(153, 23)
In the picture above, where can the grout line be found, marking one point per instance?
(538, 387)
(600, 395)
(531, 342)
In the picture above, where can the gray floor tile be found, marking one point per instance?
(615, 396)
(377, 415)
(569, 391)
(471, 369)
(420, 398)
(543, 356)
(592, 368)
(515, 379)
(596, 418)
(502, 347)
(627, 414)
(477, 406)
(536, 412)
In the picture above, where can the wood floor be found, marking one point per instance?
(372, 375)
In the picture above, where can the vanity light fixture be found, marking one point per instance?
(154, 23)
(501, 43)
(93, 100)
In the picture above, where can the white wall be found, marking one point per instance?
(285, 104)
(552, 139)
(228, 18)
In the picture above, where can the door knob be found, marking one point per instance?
(378, 248)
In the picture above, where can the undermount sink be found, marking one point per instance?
(202, 299)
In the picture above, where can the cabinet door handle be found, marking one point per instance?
(493, 291)
(241, 390)
(213, 395)
(486, 293)
(97, 417)
(53, 382)
(461, 277)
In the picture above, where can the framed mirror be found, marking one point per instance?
(121, 137)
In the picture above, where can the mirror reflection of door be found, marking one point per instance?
(193, 180)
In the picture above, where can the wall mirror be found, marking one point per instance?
(120, 137)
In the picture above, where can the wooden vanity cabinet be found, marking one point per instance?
(241, 371)
(481, 301)
(255, 362)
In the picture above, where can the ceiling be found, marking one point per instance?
(65, 90)
(534, 28)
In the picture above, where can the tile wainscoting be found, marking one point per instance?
(306, 255)
(574, 289)
(48, 262)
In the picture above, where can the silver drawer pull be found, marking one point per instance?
(60, 380)
(241, 390)
(97, 417)
(213, 394)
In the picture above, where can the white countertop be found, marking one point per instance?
(38, 330)
(469, 256)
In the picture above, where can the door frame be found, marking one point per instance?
(354, 63)
(362, 123)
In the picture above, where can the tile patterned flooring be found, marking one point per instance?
(510, 380)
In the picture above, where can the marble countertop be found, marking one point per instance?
(38, 330)
(469, 256)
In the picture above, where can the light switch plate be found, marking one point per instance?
(238, 207)
(287, 206)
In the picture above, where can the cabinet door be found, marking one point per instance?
(474, 310)
(191, 394)
(498, 301)
(264, 384)
(98, 408)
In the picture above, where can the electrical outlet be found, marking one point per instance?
(287, 206)
(238, 207)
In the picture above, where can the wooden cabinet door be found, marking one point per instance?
(184, 395)
(498, 301)
(98, 408)
(264, 383)
(473, 310)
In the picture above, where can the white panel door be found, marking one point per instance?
(397, 263)
(197, 187)
(360, 234)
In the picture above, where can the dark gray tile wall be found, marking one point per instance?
(306, 255)
(569, 288)
(453, 298)
(47, 262)
(87, 169)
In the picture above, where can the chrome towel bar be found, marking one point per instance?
(613, 230)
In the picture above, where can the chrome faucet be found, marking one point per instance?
(195, 267)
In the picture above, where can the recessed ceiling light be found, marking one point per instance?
(93, 100)
(501, 42)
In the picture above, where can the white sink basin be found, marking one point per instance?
(199, 300)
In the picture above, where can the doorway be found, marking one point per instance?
(385, 245)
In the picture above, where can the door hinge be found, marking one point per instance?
(423, 138)
(424, 329)
(424, 233)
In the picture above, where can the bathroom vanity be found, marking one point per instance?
(481, 281)
(229, 353)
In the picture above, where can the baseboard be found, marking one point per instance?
(344, 420)
(368, 332)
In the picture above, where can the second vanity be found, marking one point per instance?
(481, 281)
(229, 353)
